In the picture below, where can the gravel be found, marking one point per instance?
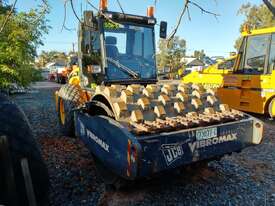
(247, 178)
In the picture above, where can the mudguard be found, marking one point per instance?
(112, 144)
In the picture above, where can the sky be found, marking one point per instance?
(215, 36)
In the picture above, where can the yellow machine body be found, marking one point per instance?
(222, 67)
(212, 76)
(74, 76)
(250, 86)
(251, 93)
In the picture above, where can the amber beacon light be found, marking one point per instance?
(150, 11)
(103, 4)
(246, 28)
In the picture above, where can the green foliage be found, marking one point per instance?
(111, 25)
(18, 41)
(36, 75)
(7, 75)
(52, 56)
(170, 54)
(199, 54)
(256, 17)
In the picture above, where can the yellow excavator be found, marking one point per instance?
(221, 67)
(212, 76)
(250, 86)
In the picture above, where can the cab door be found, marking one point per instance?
(242, 89)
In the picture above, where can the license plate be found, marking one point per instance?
(206, 133)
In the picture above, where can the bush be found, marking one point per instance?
(18, 42)
(36, 75)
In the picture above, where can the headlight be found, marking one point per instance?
(151, 21)
(257, 132)
(85, 81)
(94, 69)
(109, 16)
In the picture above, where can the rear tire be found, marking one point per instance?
(15, 126)
(271, 108)
(69, 98)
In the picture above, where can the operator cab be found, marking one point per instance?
(257, 54)
(117, 48)
(131, 47)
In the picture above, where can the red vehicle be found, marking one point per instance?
(52, 76)
(61, 75)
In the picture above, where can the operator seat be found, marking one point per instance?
(111, 49)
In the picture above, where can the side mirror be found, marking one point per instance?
(163, 30)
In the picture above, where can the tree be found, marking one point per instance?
(51, 56)
(256, 17)
(199, 54)
(19, 39)
(171, 54)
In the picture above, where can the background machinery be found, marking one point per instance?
(250, 86)
(212, 76)
(221, 67)
(252, 83)
(134, 126)
(62, 73)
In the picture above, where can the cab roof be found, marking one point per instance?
(259, 31)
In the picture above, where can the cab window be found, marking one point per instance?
(256, 54)
(91, 57)
(228, 65)
(271, 62)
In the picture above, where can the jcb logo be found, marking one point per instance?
(172, 152)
